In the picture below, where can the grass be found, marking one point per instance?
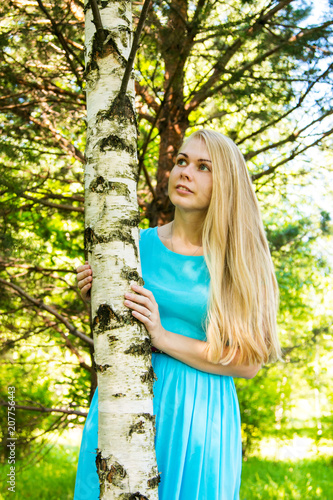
(53, 478)
(305, 479)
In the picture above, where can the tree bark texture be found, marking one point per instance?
(126, 456)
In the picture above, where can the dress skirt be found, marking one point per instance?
(198, 430)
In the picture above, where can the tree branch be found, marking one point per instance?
(68, 343)
(40, 304)
(97, 21)
(12, 263)
(206, 90)
(148, 98)
(135, 44)
(315, 333)
(291, 137)
(294, 153)
(298, 105)
(49, 86)
(64, 45)
(65, 144)
(58, 206)
(42, 409)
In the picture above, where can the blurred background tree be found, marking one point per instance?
(260, 73)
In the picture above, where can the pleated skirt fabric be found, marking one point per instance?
(198, 441)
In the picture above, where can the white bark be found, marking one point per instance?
(126, 455)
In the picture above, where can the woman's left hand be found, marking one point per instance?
(145, 309)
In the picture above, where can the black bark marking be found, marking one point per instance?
(102, 368)
(119, 395)
(109, 47)
(148, 416)
(131, 274)
(148, 378)
(132, 220)
(140, 349)
(105, 319)
(116, 474)
(122, 234)
(132, 496)
(138, 428)
(100, 462)
(98, 51)
(101, 185)
(122, 110)
(89, 237)
(122, 11)
(154, 481)
(112, 339)
(135, 170)
(116, 143)
(103, 46)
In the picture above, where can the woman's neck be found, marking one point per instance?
(187, 228)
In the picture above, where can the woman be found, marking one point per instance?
(209, 304)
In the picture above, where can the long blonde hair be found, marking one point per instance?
(241, 319)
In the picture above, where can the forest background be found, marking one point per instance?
(259, 72)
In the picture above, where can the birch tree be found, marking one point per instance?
(125, 458)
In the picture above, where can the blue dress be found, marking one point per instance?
(198, 433)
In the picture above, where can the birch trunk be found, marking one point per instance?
(126, 456)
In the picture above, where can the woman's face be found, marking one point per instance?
(190, 181)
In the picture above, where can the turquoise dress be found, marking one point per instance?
(198, 432)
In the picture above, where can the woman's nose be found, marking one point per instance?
(187, 171)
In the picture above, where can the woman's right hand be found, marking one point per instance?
(84, 280)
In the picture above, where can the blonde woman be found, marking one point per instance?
(209, 304)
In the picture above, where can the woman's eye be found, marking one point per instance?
(181, 162)
(203, 167)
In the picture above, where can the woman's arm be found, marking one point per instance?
(193, 352)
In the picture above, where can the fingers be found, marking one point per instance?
(142, 303)
(144, 311)
(84, 275)
(85, 286)
(147, 301)
(83, 268)
(143, 318)
(84, 280)
(85, 293)
(147, 294)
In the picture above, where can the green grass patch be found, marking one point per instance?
(288, 480)
(51, 478)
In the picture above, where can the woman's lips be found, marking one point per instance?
(183, 189)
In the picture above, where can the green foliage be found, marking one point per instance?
(261, 77)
